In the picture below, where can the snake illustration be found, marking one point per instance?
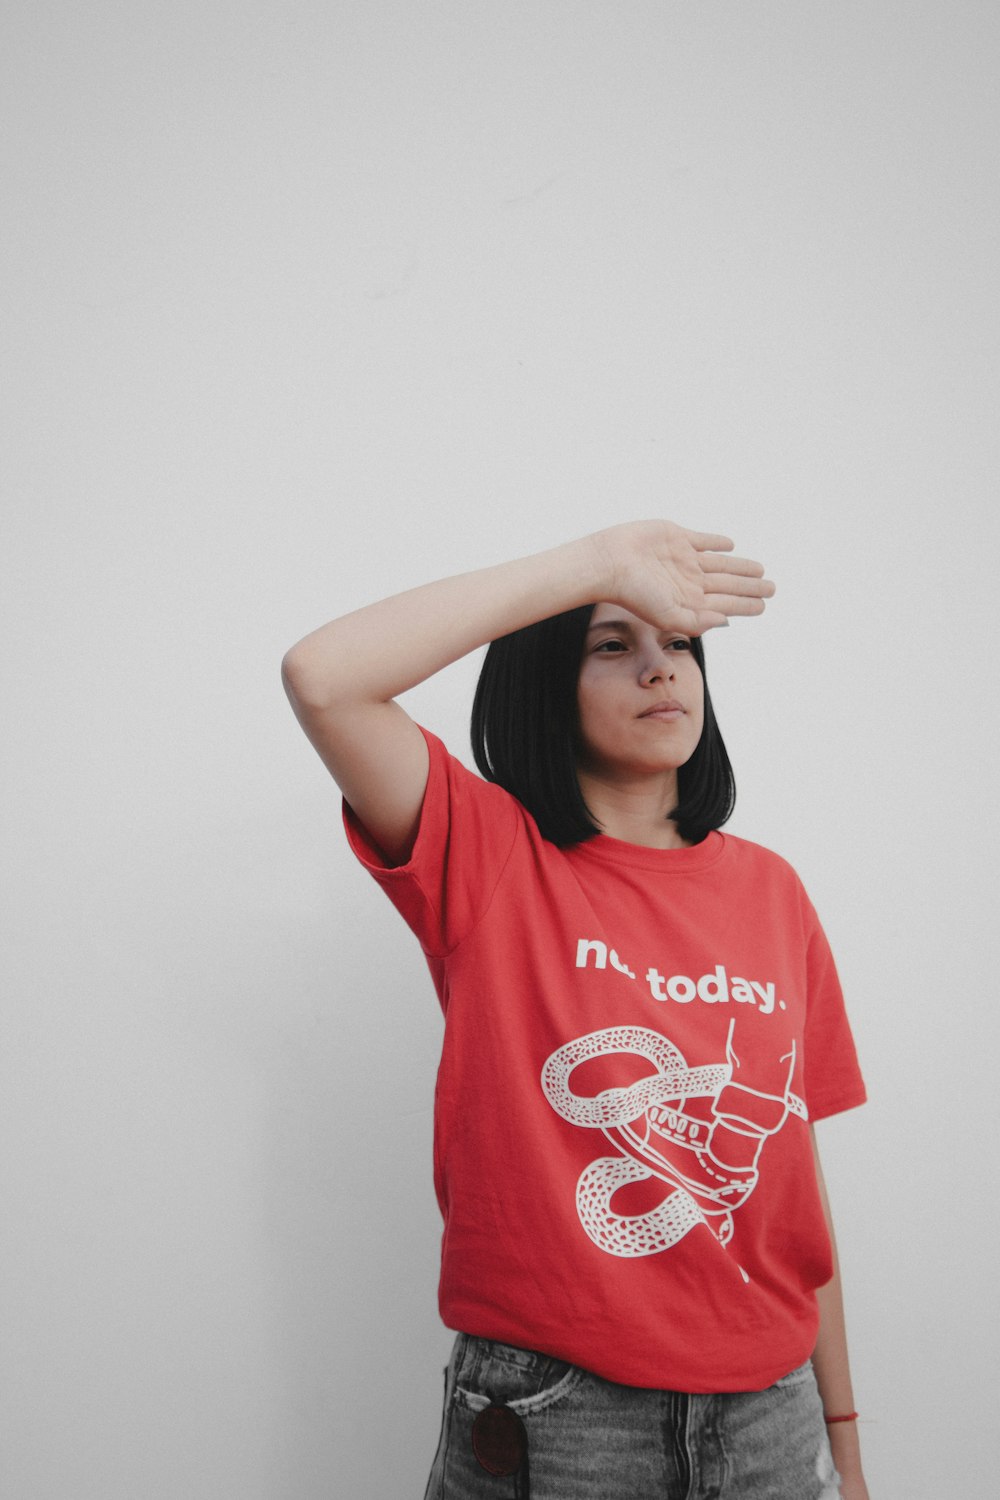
(709, 1164)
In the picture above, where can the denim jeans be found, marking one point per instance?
(574, 1436)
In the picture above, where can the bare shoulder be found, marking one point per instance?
(378, 757)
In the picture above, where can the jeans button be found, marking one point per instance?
(499, 1440)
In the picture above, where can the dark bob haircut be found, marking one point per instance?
(525, 734)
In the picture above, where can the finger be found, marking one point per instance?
(708, 541)
(695, 621)
(707, 619)
(733, 604)
(737, 583)
(744, 565)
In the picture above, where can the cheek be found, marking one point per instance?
(591, 694)
(698, 696)
(599, 722)
(697, 680)
(588, 711)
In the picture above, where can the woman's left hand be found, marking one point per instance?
(846, 1450)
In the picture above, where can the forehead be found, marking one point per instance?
(606, 614)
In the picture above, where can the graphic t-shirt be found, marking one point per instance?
(635, 1041)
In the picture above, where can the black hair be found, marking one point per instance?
(526, 734)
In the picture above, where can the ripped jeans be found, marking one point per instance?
(564, 1434)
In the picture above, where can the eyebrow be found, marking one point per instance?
(626, 625)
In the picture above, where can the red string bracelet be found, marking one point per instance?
(848, 1417)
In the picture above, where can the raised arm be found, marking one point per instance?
(342, 678)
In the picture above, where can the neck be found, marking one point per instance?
(636, 811)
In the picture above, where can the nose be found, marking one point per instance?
(657, 663)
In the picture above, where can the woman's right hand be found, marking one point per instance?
(678, 579)
(343, 678)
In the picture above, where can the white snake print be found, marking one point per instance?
(707, 1159)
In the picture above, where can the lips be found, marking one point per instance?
(668, 706)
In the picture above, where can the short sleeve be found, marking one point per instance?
(833, 1080)
(464, 838)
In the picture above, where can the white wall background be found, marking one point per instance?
(307, 303)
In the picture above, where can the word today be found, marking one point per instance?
(714, 988)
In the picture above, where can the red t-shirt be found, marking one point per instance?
(634, 1042)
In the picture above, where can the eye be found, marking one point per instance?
(681, 644)
(609, 643)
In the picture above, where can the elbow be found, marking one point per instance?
(308, 685)
(298, 684)
(288, 670)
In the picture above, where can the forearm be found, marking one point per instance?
(677, 579)
(833, 1376)
(832, 1366)
(383, 649)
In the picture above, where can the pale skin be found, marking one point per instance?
(628, 771)
(664, 584)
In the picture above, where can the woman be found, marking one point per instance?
(642, 1021)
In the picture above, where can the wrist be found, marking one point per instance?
(588, 567)
(594, 558)
(845, 1446)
